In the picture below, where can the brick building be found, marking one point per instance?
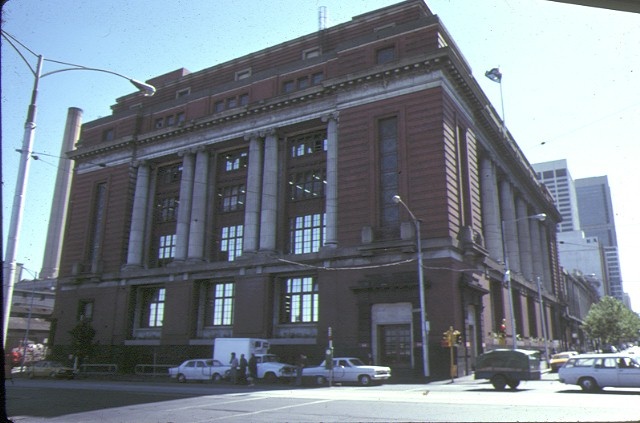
(255, 199)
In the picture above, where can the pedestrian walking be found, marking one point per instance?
(234, 369)
(253, 369)
(243, 369)
(302, 361)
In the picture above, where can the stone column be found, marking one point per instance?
(254, 192)
(138, 217)
(268, 221)
(490, 209)
(184, 210)
(60, 204)
(509, 224)
(536, 245)
(545, 257)
(524, 239)
(331, 190)
(199, 206)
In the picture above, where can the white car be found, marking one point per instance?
(199, 369)
(348, 370)
(593, 372)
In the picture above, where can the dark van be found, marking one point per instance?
(508, 367)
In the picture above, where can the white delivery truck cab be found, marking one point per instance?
(269, 368)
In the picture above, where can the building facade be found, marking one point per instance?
(598, 220)
(556, 177)
(255, 198)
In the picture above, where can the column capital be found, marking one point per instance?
(252, 135)
(268, 132)
(139, 163)
(330, 116)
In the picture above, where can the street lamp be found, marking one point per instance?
(544, 320)
(496, 76)
(423, 314)
(507, 271)
(23, 168)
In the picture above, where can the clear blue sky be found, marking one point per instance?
(571, 79)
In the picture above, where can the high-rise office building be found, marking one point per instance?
(597, 220)
(556, 177)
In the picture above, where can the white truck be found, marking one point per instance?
(269, 368)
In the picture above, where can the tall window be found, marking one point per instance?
(307, 233)
(307, 185)
(232, 198)
(85, 310)
(236, 161)
(219, 307)
(299, 300)
(97, 228)
(231, 241)
(167, 209)
(166, 249)
(152, 307)
(388, 160)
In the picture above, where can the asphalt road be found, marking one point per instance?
(31, 401)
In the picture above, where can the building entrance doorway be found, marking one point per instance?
(395, 345)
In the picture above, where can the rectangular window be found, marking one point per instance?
(232, 198)
(317, 78)
(299, 301)
(219, 304)
(232, 103)
(108, 135)
(311, 53)
(167, 209)
(183, 92)
(181, 118)
(385, 55)
(152, 307)
(309, 144)
(218, 106)
(236, 161)
(243, 74)
(166, 249)
(231, 241)
(85, 310)
(243, 99)
(388, 164)
(307, 185)
(170, 174)
(307, 233)
(170, 120)
(303, 83)
(288, 86)
(159, 123)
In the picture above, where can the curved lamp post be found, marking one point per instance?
(23, 168)
(423, 314)
(507, 271)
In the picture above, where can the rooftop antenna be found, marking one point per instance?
(322, 18)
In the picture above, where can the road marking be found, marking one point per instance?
(269, 410)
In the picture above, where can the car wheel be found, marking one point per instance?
(513, 384)
(270, 377)
(321, 380)
(364, 380)
(588, 384)
(216, 377)
(181, 378)
(499, 382)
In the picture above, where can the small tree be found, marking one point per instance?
(82, 340)
(610, 322)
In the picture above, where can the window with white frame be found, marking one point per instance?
(307, 185)
(166, 249)
(231, 241)
(299, 300)
(152, 307)
(307, 233)
(236, 161)
(219, 304)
